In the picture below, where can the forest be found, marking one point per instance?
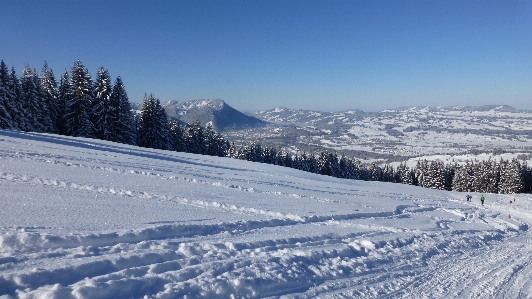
(79, 106)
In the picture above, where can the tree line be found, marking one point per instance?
(81, 107)
(503, 176)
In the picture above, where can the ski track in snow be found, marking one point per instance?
(240, 230)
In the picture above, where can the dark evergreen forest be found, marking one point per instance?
(79, 106)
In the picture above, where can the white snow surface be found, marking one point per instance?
(83, 218)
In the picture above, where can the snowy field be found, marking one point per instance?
(403, 132)
(83, 218)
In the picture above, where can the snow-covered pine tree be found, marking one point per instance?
(121, 119)
(323, 163)
(176, 136)
(313, 163)
(270, 155)
(43, 114)
(485, 177)
(351, 169)
(344, 167)
(375, 172)
(49, 86)
(460, 179)
(19, 112)
(6, 96)
(494, 176)
(449, 175)
(404, 174)
(463, 178)
(103, 114)
(29, 100)
(187, 138)
(197, 139)
(297, 162)
(422, 175)
(356, 170)
(210, 140)
(511, 177)
(388, 174)
(242, 151)
(279, 158)
(527, 178)
(64, 96)
(288, 161)
(304, 165)
(257, 152)
(34, 101)
(153, 129)
(222, 145)
(79, 106)
(436, 175)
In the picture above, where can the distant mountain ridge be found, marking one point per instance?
(483, 108)
(222, 116)
(309, 117)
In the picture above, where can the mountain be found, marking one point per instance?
(308, 117)
(222, 116)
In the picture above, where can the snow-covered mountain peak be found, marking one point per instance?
(214, 111)
(212, 104)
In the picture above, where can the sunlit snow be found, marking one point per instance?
(83, 218)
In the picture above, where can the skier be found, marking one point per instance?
(482, 199)
(468, 197)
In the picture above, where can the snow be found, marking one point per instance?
(83, 218)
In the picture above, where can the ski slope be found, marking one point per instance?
(83, 218)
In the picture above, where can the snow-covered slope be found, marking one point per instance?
(83, 218)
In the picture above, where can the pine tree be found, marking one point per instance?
(211, 142)
(461, 179)
(323, 166)
(422, 173)
(404, 174)
(79, 106)
(6, 98)
(527, 178)
(388, 174)
(197, 143)
(511, 177)
(49, 86)
(435, 177)
(222, 145)
(35, 103)
(153, 129)
(19, 113)
(485, 177)
(279, 158)
(121, 119)
(344, 166)
(375, 172)
(270, 155)
(104, 115)
(288, 161)
(176, 136)
(357, 172)
(449, 175)
(328, 164)
(233, 151)
(64, 96)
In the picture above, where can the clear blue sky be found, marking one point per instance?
(257, 55)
